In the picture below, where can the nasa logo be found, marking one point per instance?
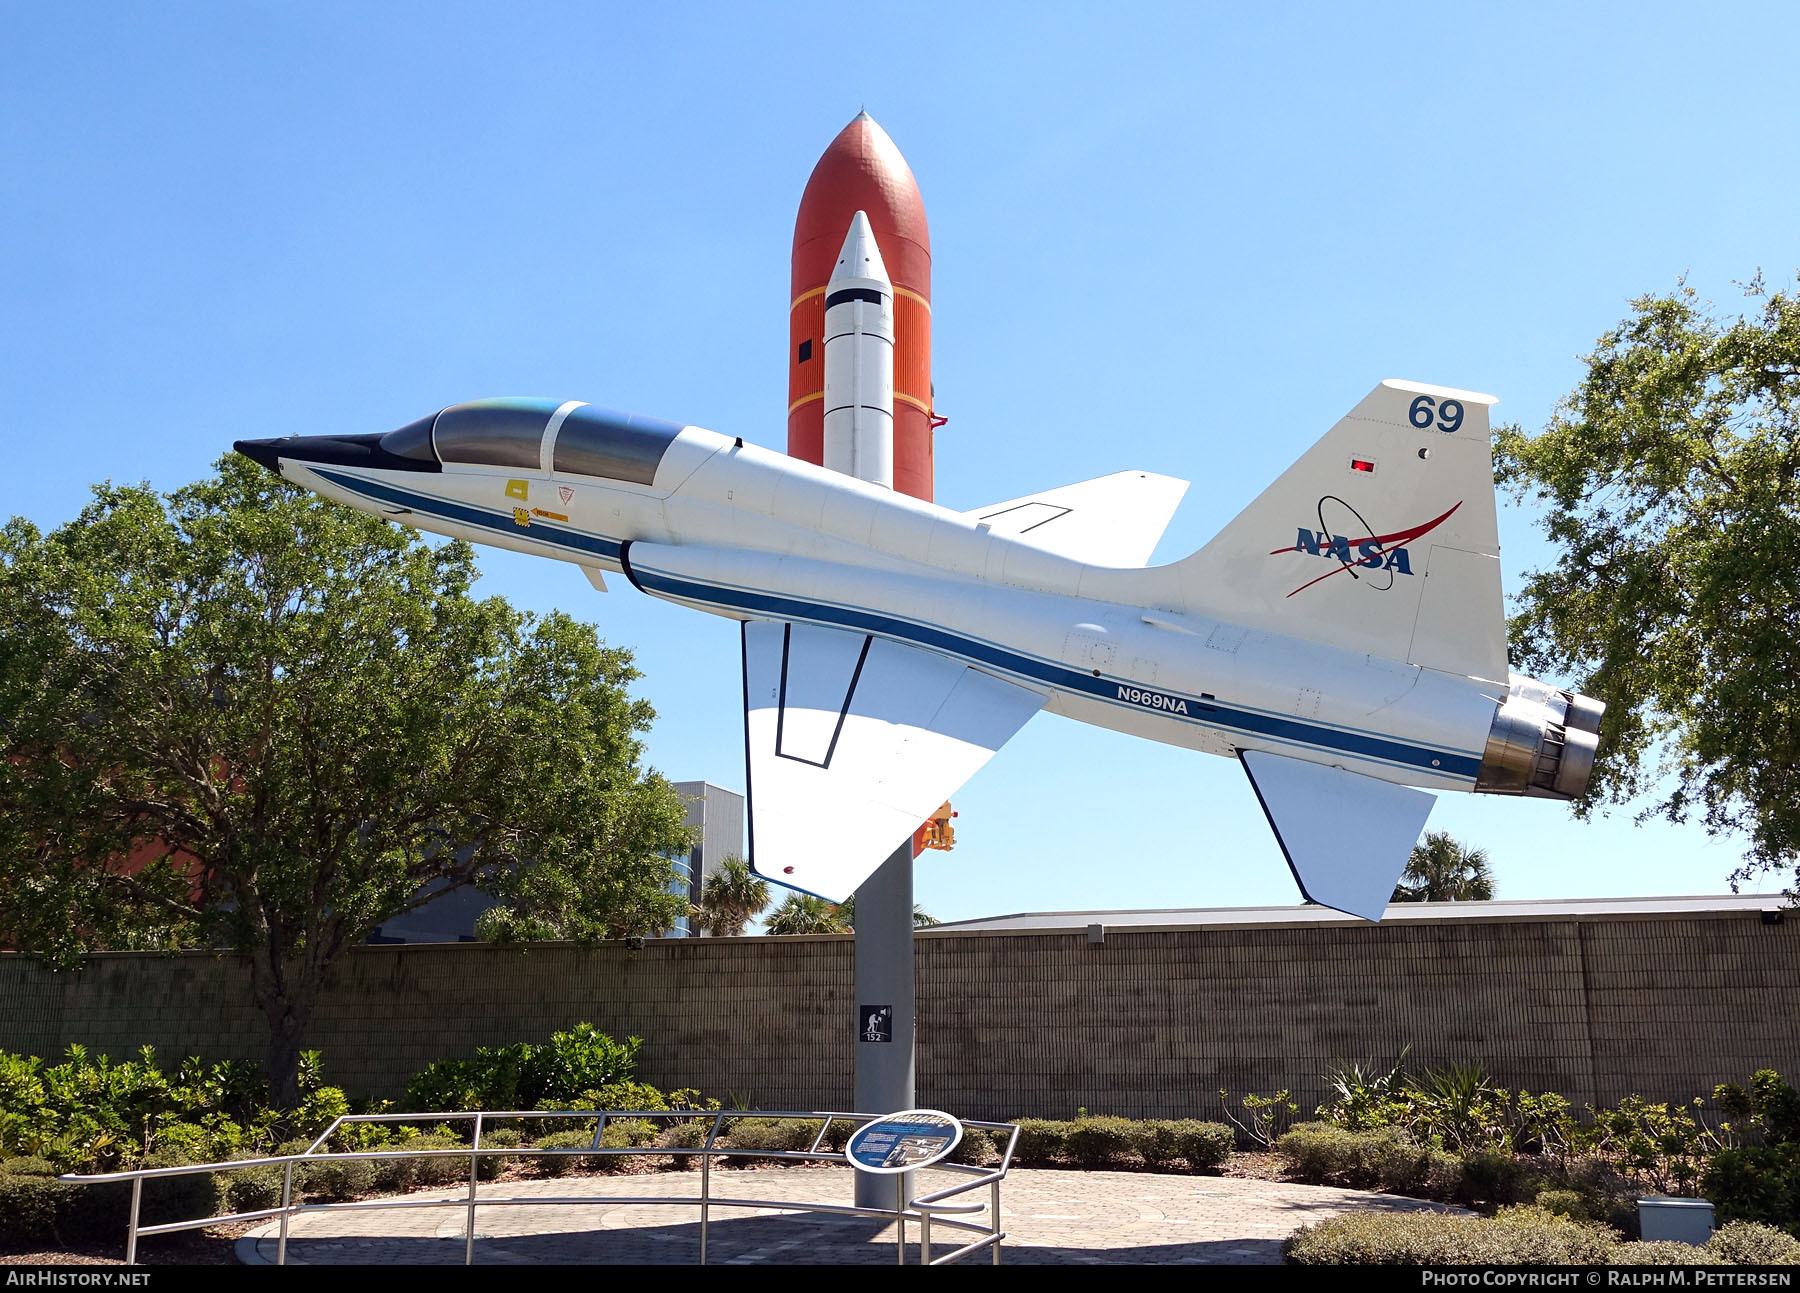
(1384, 553)
(1369, 552)
(1153, 700)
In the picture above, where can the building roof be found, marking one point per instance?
(1400, 913)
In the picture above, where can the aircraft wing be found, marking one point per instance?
(1112, 521)
(852, 742)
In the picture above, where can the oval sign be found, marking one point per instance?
(901, 1142)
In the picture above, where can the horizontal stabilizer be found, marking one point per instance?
(853, 741)
(1113, 521)
(1347, 837)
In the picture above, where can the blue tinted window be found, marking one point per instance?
(613, 446)
(494, 433)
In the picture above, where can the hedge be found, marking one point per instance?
(1520, 1236)
(1106, 1142)
(1514, 1237)
(1322, 1153)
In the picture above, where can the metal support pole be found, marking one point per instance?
(474, 1175)
(137, 1199)
(287, 1202)
(706, 1186)
(994, 1209)
(900, 1214)
(884, 978)
(924, 1237)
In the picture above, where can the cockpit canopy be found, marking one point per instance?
(527, 434)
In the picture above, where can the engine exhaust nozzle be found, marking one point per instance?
(1542, 743)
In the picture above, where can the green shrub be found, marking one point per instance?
(252, 1189)
(632, 1133)
(178, 1198)
(1515, 1236)
(28, 1166)
(767, 1134)
(1040, 1140)
(581, 1059)
(1756, 1184)
(1658, 1252)
(1153, 1140)
(1750, 1243)
(572, 1066)
(491, 1166)
(1323, 1154)
(975, 1149)
(684, 1135)
(31, 1205)
(563, 1164)
(1565, 1203)
(1492, 1177)
(1205, 1145)
(336, 1179)
(394, 1175)
(1099, 1141)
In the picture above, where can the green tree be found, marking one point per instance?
(730, 898)
(846, 912)
(1671, 480)
(801, 913)
(241, 716)
(1441, 870)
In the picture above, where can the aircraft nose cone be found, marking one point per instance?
(261, 451)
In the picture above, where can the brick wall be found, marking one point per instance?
(1148, 1023)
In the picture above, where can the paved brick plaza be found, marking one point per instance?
(1052, 1218)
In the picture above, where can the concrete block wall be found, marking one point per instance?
(1148, 1023)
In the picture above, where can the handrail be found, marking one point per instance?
(932, 1208)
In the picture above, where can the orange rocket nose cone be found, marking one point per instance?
(862, 170)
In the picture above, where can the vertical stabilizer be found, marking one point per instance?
(1381, 538)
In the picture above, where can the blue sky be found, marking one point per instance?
(1183, 238)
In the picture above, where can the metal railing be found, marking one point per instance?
(932, 1209)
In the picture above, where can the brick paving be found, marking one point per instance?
(1051, 1218)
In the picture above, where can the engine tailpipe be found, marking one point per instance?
(1542, 742)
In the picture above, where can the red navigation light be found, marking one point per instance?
(1361, 464)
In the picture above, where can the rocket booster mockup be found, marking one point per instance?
(859, 361)
(863, 171)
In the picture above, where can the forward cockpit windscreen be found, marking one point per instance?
(588, 441)
(494, 433)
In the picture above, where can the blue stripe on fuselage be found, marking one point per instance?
(1206, 713)
(463, 514)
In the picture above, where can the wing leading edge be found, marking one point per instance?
(853, 741)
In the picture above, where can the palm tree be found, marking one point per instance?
(846, 911)
(1441, 870)
(730, 898)
(801, 913)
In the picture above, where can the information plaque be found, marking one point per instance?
(901, 1142)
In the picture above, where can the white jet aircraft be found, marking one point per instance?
(1342, 638)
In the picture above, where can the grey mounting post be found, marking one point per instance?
(884, 978)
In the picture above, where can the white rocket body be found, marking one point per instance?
(859, 361)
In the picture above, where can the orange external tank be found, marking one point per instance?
(863, 171)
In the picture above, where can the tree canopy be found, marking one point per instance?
(730, 898)
(240, 716)
(1671, 482)
(1442, 870)
(801, 913)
